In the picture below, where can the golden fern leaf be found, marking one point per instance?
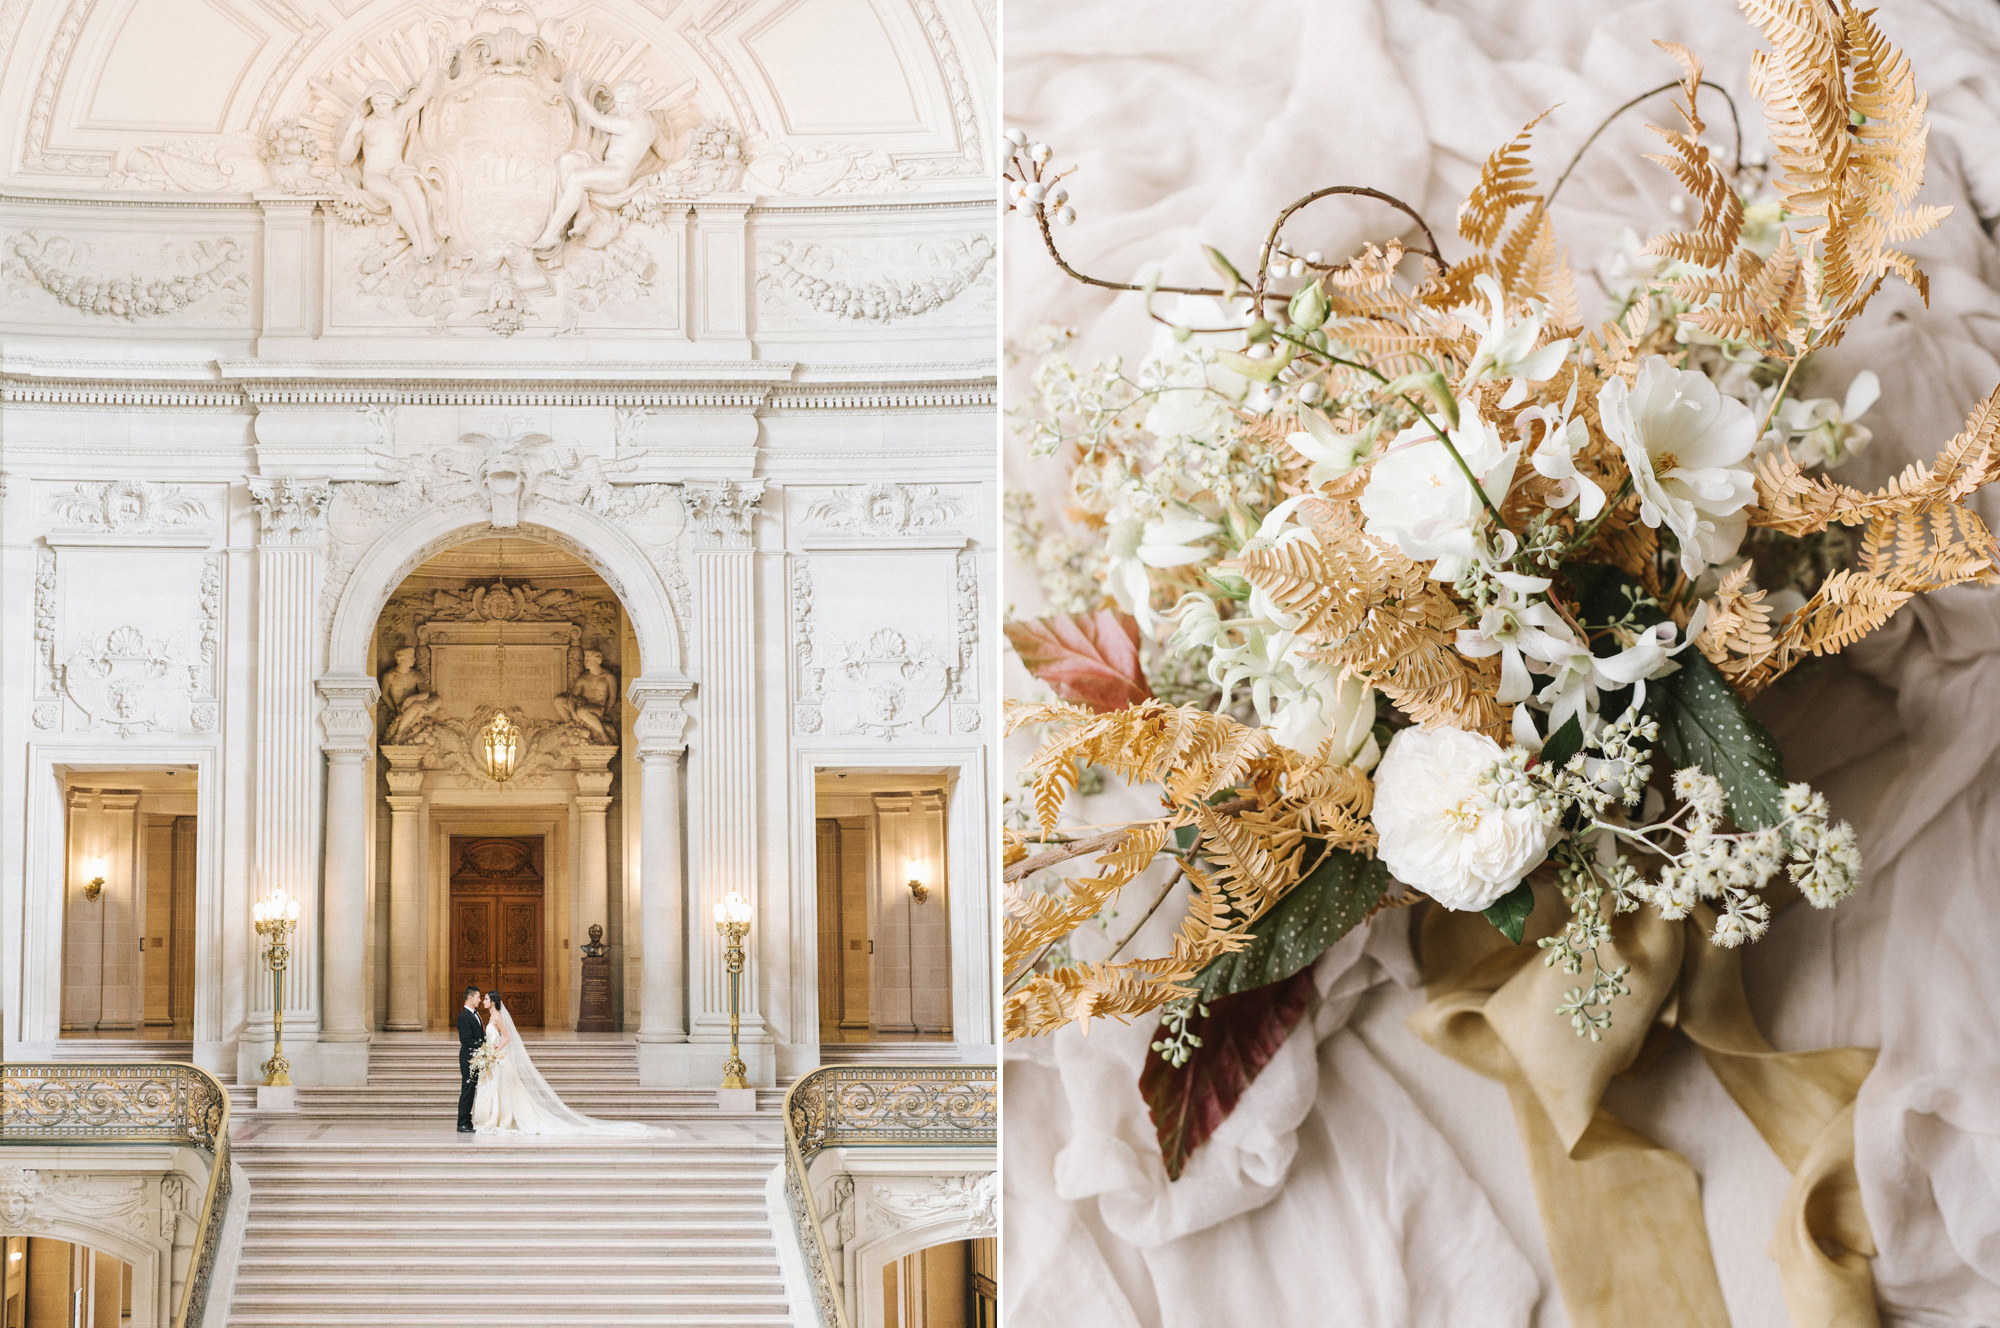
(1505, 183)
(1714, 237)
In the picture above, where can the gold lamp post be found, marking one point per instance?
(276, 917)
(732, 920)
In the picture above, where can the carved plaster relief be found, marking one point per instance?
(128, 507)
(970, 1199)
(872, 280)
(887, 686)
(501, 480)
(32, 1200)
(129, 684)
(211, 272)
(885, 509)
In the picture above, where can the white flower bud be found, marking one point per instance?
(1017, 137)
(1298, 268)
(1035, 191)
(1260, 351)
(1066, 217)
(1309, 393)
(1060, 196)
(1039, 153)
(1314, 258)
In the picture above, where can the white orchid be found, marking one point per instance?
(1419, 499)
(1518, 629)
(1133, 545)
(1579, 676)
(1555, 456)
(1507, 349)
(1301, 700)
(1822, 431)
(1455, 820)
(1332, 454)
(1688, 447)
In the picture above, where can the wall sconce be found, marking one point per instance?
(95, 885)
(501, 742)
(918, 890)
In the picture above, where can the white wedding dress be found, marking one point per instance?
(513, 1098)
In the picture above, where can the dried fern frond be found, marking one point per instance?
(1714, 237)
(1505, 183)
(1036, 920)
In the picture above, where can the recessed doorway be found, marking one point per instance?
(496, 919)
(129, 918)
(884, 907)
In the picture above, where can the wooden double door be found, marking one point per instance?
(496, 920)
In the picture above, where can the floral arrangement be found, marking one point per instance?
(1399, 578)
(484, 1057)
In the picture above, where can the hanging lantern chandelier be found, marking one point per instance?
(501, 742)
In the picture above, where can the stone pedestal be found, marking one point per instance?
(594, 1009)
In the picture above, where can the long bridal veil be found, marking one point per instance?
(537, 1109)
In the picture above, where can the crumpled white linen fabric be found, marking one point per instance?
(1195, 124)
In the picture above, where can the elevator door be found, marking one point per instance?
(496, 920)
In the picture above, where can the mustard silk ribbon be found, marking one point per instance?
(1622, 1214)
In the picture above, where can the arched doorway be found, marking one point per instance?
(499, 826)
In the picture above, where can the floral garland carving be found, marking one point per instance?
(41, 261)
(805, 271)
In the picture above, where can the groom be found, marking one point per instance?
(470, 1034)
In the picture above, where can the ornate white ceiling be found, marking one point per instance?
(180, 96)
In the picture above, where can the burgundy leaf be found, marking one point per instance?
(1239, 1036)
(1089, 658)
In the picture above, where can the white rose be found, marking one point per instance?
(1442, 827)
(1688, 448)
(1419, 499)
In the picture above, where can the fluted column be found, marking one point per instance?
(406, 889)
(659, 732)
(726, 794)
(285, 842)
(350, 739)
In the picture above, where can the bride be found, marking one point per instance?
(513, 1097)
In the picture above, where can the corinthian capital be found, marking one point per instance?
(292, 512)
(724, 511)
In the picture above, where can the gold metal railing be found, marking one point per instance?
(875, 1106)
(80, 1102)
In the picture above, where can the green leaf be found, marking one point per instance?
(1601, 596)
(1221, 264)
(1262, 371)
(1335, 898)
(1510, 912)
(1704, 723)
(1432, 384)
(1564, 743)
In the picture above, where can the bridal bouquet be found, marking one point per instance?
(1399, 577)
(484, 1057)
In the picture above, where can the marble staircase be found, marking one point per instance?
(367, 1207)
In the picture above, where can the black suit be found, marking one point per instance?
(470, 1035)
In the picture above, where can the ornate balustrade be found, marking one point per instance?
(83, 1103)
(846, 1106)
